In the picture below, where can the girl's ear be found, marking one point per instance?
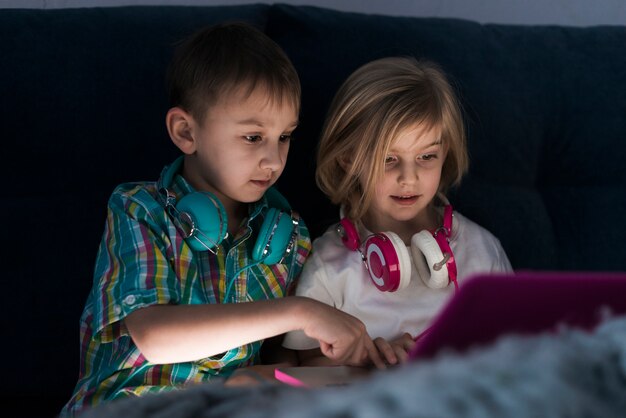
(180, 125)
(345, 162)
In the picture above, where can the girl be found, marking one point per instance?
(392, 145)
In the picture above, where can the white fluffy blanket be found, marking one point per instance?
(572, 374)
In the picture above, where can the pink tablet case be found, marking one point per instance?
(528, 302)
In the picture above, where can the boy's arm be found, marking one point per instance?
(179, 333)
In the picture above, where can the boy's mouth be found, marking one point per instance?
(261, 183)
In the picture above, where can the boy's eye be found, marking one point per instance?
(253, 138)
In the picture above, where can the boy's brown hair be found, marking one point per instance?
(226, 59)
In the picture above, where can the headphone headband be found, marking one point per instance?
(168, 173)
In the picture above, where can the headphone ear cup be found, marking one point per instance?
(274, 236)
(349, 234)
(426, 253)
(388, 261)
(209, 218)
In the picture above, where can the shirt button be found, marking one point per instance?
(130, 300)
(117, 309)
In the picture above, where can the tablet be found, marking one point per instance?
(319, 376)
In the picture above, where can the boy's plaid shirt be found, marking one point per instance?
(143, 260)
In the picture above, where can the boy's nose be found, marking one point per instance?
(272, 159)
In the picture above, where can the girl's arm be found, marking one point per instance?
(392, 352)
(179, 333)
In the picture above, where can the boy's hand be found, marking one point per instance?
(397, 350)
(342, 337)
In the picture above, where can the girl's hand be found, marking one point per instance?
(395, 351)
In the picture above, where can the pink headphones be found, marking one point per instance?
(387, 260)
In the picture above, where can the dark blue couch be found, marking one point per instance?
(82, 106)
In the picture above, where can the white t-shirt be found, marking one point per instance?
(337, 276)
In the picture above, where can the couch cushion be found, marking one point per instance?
(545, 114)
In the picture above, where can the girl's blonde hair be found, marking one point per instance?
(372, 107)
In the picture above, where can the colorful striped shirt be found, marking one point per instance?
(143, 260)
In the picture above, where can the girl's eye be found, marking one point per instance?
(428, 157)
(285, 138)
(390, 159)
(253, 138)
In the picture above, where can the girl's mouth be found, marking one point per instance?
(405, 200)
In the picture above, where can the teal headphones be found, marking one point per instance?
(202, 219)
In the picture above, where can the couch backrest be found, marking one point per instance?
(546, 120)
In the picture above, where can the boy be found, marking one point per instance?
(178, 253)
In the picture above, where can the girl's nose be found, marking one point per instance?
(408, 174)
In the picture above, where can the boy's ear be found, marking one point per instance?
(180, 126)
